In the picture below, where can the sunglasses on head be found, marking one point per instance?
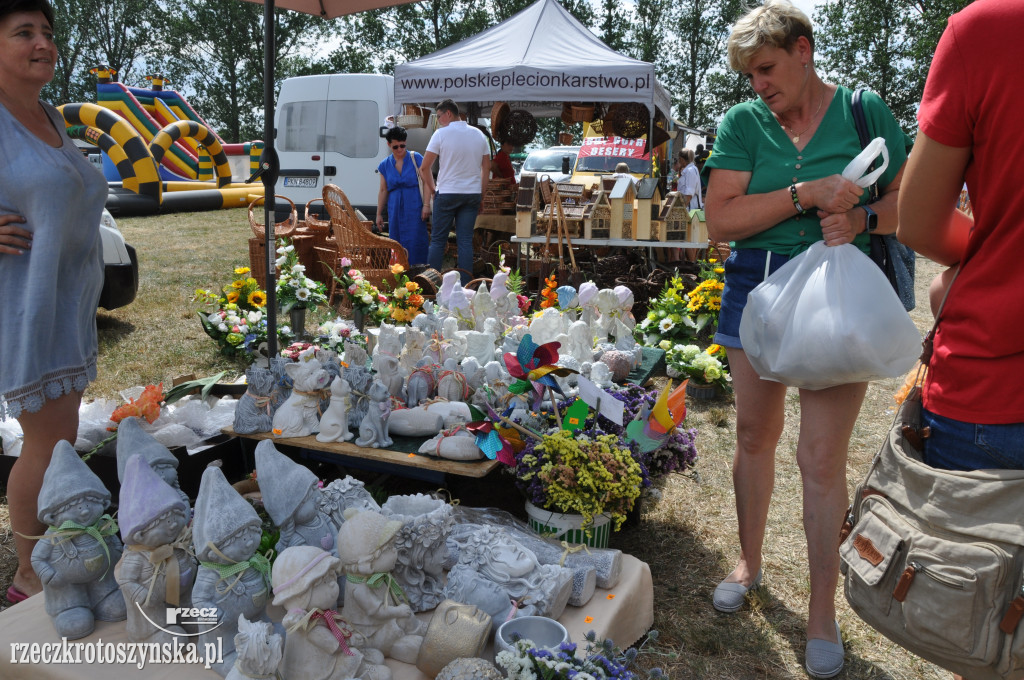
(398, 146)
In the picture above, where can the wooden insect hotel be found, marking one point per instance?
(597, 217)
(621, 198)
(648, 206)
(527, 205)
(675, 218)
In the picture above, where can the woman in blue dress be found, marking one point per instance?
(400, 188)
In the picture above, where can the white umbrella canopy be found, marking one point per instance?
(269, 164)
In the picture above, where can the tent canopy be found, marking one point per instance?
(539, 58)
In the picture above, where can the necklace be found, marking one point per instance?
(796, 135)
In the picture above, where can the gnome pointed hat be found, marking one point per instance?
(219, 512)
(283, 482)
(67, 478)
(144, 497)
(132, 439)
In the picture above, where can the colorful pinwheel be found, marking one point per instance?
(654, 426)
(495, 441)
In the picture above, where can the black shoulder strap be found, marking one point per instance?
(861, 122)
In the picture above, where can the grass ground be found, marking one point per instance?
(688, 539)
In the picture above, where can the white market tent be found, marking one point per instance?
(536, 59)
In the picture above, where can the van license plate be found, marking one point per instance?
(308, 182)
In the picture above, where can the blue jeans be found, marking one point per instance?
(744, 270)
(956, 445)
(460, 209)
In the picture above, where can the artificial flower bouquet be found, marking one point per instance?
(667, 318)
(236, 316)
(294, 288)
(405, 301)
(334, 334)
(359, 292)
(705, 367)
(705, 301)
(601, 660)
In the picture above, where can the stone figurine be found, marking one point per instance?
(355, 355)
(282, 383)
(581, 342)
(455, 444)
(389, 342)
(493, 571)
(254, 412)
(75, 568)
(415, 422)
(421, 383)
(334, 421)
(452, 385)
(373, 430)
(156, 570)
(132, 439)
(360, 379)
(412, 350)
(291, 497)
(232, 577)
(260, 651)
(297, 417)
(319, 644)
(375, 604)
(422, 546)
(389, 372)
(455, 631)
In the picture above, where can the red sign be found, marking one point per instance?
(615, 147)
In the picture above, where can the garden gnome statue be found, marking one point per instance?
(75, 558)
(334, 421)
(232, 577)
(291, 497)
(493, 570)
(132, 439)
(259, 649)
(254, 412)
(319, 645)
(422, 546)
(375, 604)
(156, 570)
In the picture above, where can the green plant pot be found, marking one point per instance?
(698, 391)
(567, 526)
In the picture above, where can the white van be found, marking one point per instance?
(330, 131)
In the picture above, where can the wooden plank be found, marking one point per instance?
(474, 469)
(503, 223)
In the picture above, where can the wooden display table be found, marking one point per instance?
(502, 223)
(402, 463)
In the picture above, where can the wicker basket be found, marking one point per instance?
(519, 128)
(284, 228)
(498, 114)
(581, 113)
(412, 117)
(565, 138)
(629, 120)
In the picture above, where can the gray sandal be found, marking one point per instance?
(825, 658)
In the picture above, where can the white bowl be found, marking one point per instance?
(544, 632)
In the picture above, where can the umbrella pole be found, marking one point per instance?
(269, 167)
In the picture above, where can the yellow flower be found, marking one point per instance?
(714, 349)
(233, 296)
(412, 286)
(238, 284)
(397, 269)
(257, 298)
(251, 282)
(719, 270)
(242, 270)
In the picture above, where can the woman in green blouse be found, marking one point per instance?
(775, 189)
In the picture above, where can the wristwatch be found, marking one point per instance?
(870, 219)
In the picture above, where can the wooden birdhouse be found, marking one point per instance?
(597, 217)
(698, 231)
(675, 218)
(621, 198)
(527, 205)
(648, 205)
(572, 199)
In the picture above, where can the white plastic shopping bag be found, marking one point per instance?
(828, 317)
(855, 169)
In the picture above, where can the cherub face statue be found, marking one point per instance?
(241, 545)
(307, 509)
(161, 530)
(324, 591)
(85, 510)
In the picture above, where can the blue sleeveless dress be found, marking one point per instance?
(49, 293)
(405, 206)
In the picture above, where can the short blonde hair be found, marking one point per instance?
(776, 23)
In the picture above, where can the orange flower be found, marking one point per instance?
(415, 299)
(146, 406)
(233, 296)
(412, 286)
(397, 269)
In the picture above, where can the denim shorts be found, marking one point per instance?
(956, 445)
(744, 270)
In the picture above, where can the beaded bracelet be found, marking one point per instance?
(796, 201)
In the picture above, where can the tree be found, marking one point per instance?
(647, 34)
(217, 47)
(885, 45)
(613, 25)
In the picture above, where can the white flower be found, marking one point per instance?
(298, 269)
(302, 294)
(254, 317)
(368, 299)
(222, 327)
(243, 329)
(666, 325)
(214, 319)
(645, 323)
(280, 261)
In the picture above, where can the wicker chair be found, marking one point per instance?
(371, 254)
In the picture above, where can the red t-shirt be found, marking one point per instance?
(972, 98)
(503, 163)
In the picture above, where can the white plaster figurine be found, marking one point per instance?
(254, 412)
(334, 421)
(76, 569)
(232, 577)
(375, 604)
(297, 417)
(259, 649)
(291, 497)
(320, 644)
(156, 570)
(132, 439)
(422, 547)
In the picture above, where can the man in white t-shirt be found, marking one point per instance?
(689, 180)
(462, 178)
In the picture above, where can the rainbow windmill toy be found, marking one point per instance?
(653, 426)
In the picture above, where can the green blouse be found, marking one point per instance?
(751, 140)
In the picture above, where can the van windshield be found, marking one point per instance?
(604, 164)
(547, 161)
